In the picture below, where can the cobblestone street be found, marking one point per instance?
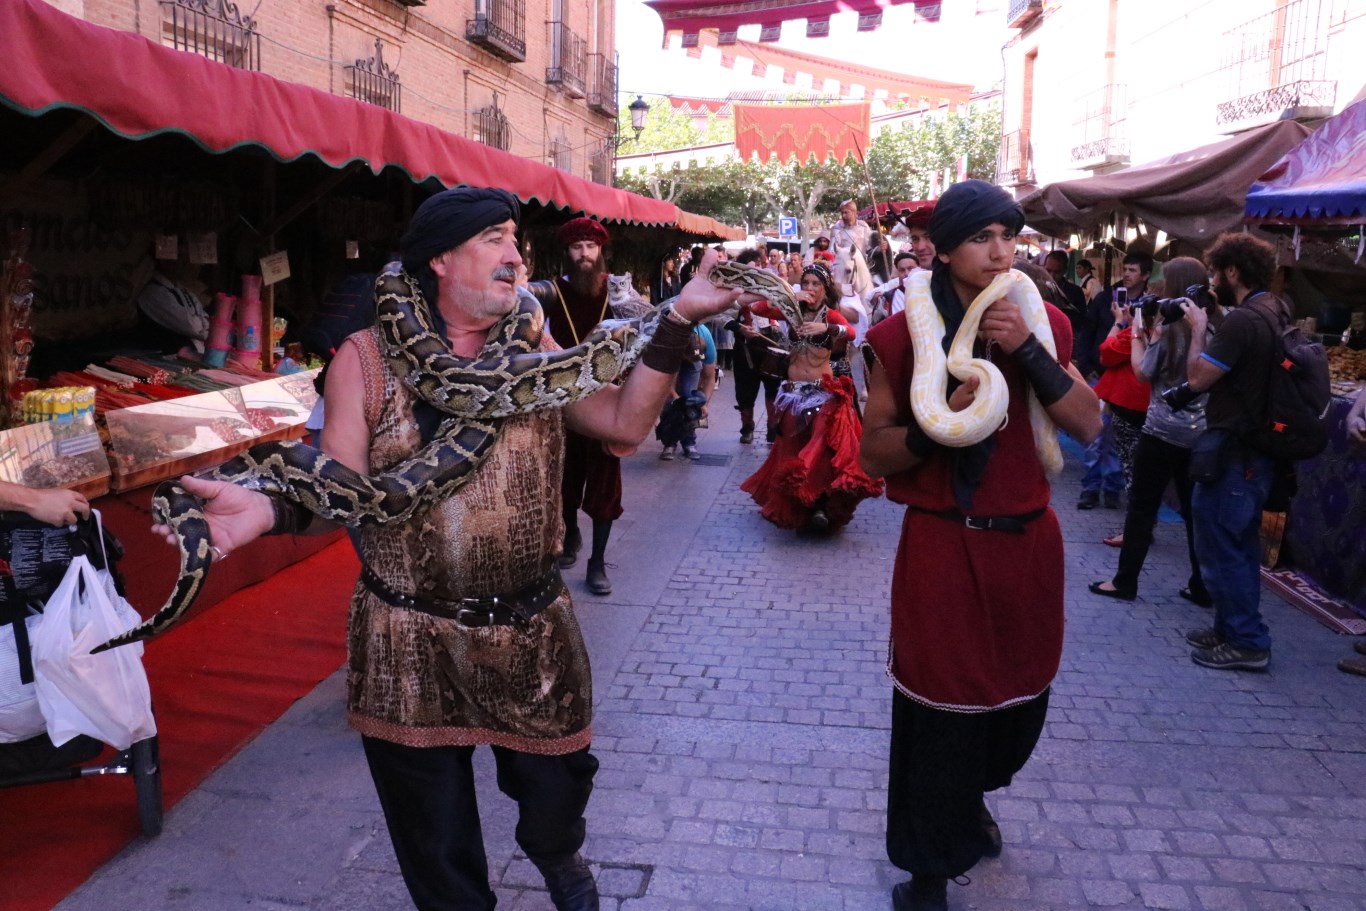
(742, 724)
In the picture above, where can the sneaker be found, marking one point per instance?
(690, 453)
(1204, 638)
(668, 454)
(1089, 500)
(1229, 657)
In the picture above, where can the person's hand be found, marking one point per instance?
(236, 516)
(749, 331)
(1195, 316)
(700, 299)
(808, 329)
(1356, 421)
(1120, 312)
(965, 394)
(1004, 324)
(56, 506)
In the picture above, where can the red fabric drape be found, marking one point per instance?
(825, 131)
(692, 16)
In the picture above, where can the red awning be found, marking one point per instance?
(139, 89)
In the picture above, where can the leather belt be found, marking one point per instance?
(1014, 525)
(515, 609)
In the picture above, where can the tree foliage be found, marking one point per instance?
(666, 128)
(755, 194)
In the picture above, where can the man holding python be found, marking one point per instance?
(977, 589)
(461, 631)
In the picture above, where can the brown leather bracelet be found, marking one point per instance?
(290, 518)
(669, 345)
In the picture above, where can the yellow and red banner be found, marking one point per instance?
(802, 131)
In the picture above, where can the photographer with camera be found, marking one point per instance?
(1104, 473)
(1232, 480)
(1161, 340)
(1125, 395)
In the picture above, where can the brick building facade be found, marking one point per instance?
(534, 77)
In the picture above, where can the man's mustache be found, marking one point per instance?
(505, 274)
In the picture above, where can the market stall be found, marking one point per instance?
(159, 211)
(1315, 196)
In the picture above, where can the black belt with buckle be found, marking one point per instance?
(515, 609)
(1014, 525)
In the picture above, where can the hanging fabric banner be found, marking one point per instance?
(690, 16)
(801, 131)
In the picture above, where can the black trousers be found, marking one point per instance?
(941, 765)
(1156, 463)
(748, 380)
(427, 794)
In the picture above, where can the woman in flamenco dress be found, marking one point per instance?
(811, 479)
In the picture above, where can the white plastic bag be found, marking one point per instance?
(20, 717)
(105, 696)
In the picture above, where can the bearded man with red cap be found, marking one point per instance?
(574, 303)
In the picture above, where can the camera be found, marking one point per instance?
(1169, 308)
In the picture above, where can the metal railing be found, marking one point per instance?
(602, 89)
(568, 60)
(215, 29)
(1020, 12)
(1099, 128)
(561, 155)
(600, 164)
(374, 81)
(491, 127)
(1016, 164)
(1275, 65)
(499, 26)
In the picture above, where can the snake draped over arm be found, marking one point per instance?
(509, 376)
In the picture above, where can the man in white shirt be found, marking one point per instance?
(893, 292)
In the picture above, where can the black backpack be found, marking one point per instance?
(1295, 425)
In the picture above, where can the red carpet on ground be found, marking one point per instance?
(216, 682)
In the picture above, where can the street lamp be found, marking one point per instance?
(639, 110)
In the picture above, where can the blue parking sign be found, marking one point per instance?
(787, 226)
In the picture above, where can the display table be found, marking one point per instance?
(1325, 529)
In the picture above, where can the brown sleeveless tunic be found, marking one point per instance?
(421, 680)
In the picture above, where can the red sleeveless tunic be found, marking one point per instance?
(977, 618)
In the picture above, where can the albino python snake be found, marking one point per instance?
(929, 379)
(510, 376)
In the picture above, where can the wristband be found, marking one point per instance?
(669, 345)
(290, 518)
(918, 441)
(1050, 381)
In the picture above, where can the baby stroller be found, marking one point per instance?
(33, 559)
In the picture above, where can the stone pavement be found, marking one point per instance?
(742, 725)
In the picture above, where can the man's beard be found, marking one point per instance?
(588, 277)
(1225, 296)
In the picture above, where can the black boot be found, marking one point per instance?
(573, 541)
(571, 884)
(992, 832)
(597, 580)
(746, 425)
(922, 893)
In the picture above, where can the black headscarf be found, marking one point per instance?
(963, 210)
(441, 223)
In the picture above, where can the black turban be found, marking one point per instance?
(452, 217)
(968, 207)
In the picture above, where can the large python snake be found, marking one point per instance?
(929, 378)
(509, 376)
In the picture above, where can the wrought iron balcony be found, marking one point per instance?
(600, 164)
(560, 155)
(1100, 129)
(499, 27)
(375, 81)
(568, 60)
(1021, 12)
(1016, 164)
(1274, 65)
(602, 89)
(491, 127)
(212, 28)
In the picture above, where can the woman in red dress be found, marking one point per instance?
(811, 478)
